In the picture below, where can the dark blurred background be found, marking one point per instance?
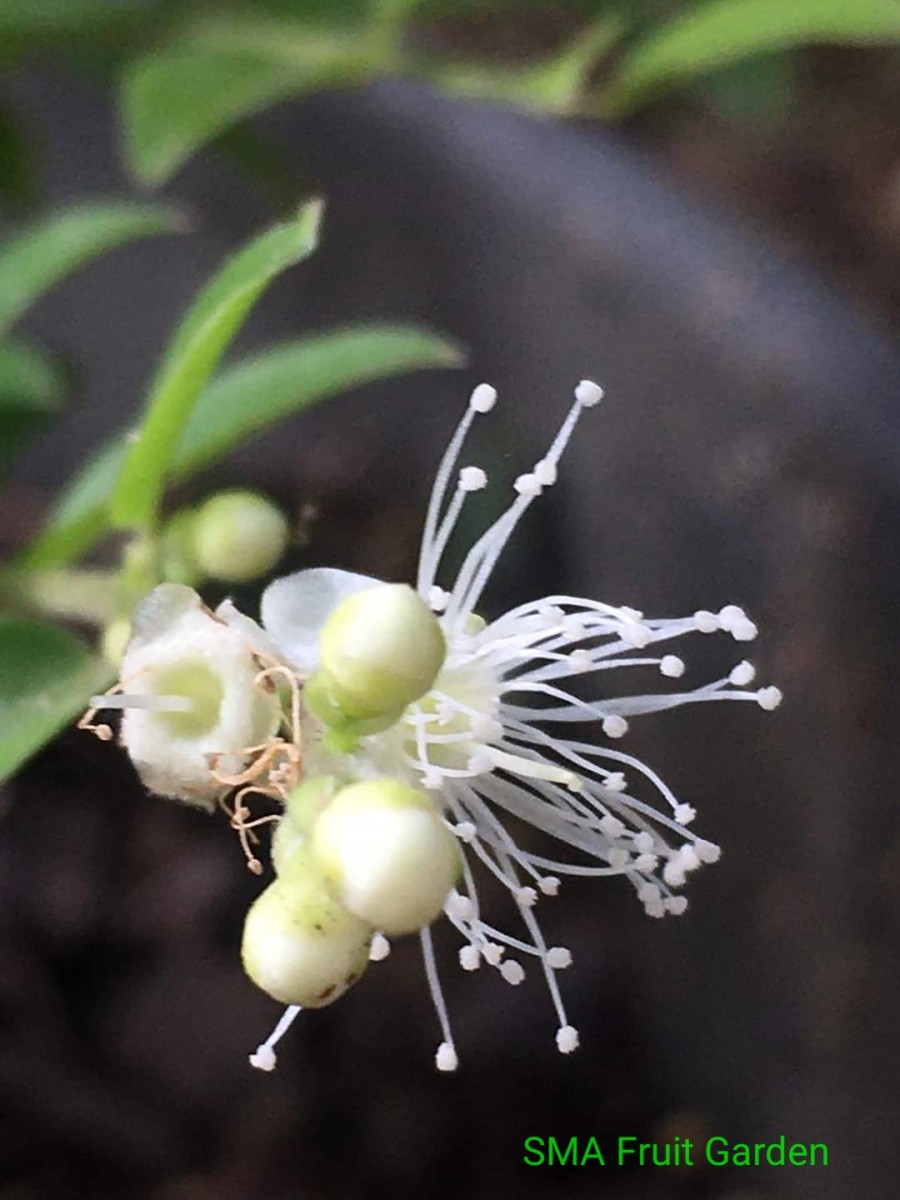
(733, 283)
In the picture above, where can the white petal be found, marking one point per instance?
(295, 608)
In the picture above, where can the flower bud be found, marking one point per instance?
(238, 536)
(380, 650)
(300, 944)
(388, 853)
(304, 805)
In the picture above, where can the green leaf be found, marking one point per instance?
(725, 31)
(199, 343)
(177, 99)
(31, 390)
(47, 676)
(43, 17)
(37, 258)
(244, 399)
(552, 86)
(18, 190)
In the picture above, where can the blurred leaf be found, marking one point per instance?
(193, 354)
(244, 399)
(37, 258)
(554, 85)
(31, 390)
(42, 17)
(176, 99)
(18, 191)
(46, 678)
(756, 94)
(713, 35)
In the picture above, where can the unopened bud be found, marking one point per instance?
(238, 536)
(388, 853)
(380, 650)
(300, 945)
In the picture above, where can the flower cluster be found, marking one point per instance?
(395, 730)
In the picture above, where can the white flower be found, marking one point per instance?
(193, 705)
(488, 739)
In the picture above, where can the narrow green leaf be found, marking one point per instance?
(46, 678)
(31, 390)
(244, 399)
(18, 190)
(199, 343)
(28, 380)
(554, 85)
(48, 17)
(37, 258)
(177, 99)
(725, 31)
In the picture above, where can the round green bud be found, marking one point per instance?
(238, 536)
(300, 945)
(388, 854)
(306, 802)
(380, 650)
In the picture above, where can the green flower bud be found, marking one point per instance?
(300, 944)
(379, 651)
(304, 805)
(238, 536)
(388, 854)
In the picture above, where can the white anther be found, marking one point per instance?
(742, 674)
(769, 698)
(580, 661)
(635, 635)
(615, 726)
(472, 479)
(646, 863)
(379, 949)
(492, 953)
(707, 852)
(264, 1059)
(675, 905)
(684, 814)
(445, 1059)
(480, 762)
(589, 393)
(469, 958)
(615, 781)
(438, 599)
(672, 666)
(526, 896)
(527, 485)
(545, 472)
(643, 842)
(465, 831)
(559, 957)
(566, 1039)
(513, 972)
(459, 906)
(619, 858)
(483, 398)
(611, 826)
(549, 885)
(706, 622)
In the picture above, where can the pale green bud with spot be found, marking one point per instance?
(387, 852)
(238, 536)
(379, 651)
(300, 944)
